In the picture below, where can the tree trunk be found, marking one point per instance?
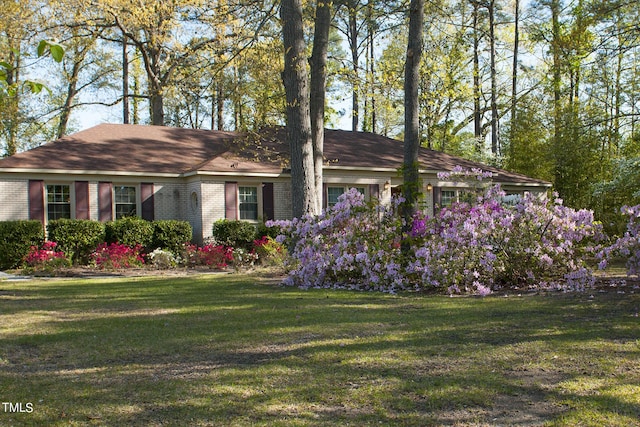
(318, 90)
(411, 187)
(477, 115)
(298, 135)
(514, 77)
(353, 46)
(125, 82)
(494, 103)
(68, 102)
(220, 104)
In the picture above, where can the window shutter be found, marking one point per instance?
(374, 191)
(268, 207)
(324, 196)
(105, 201)
(146, 196)
(231, 200)
(36, 200)
(82, 199)
(437, 196)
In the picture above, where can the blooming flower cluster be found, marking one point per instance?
(45, 256)
(117, 255)
(627, 246)
(489, 245)
(210, 255)
(469, 247)
(163, 259)
(350, 245)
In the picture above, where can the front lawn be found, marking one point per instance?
(240, 350)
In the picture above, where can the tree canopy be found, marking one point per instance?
(547, 88)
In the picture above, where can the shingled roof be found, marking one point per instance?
(165, 150)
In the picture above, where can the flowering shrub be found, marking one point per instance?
(46, 257)
(488, 245)
(162, 259)
(116, 255)
(349, 245)
(469, 247)
(217, 256)
(269, 251)
(243, 258)
(627, 246)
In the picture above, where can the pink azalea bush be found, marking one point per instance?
(46, 257)
(469, 247)
(117, 255)
(217, 256)
(627, 246)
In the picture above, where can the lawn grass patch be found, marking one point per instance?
(239, 350)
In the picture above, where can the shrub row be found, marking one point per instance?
(16, 238)
(79, 238)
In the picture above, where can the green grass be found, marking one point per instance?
(235, 350)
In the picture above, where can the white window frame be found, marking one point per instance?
(344, 189)
(115, 203)
(452, 200)
(71, 201)
(258, 201)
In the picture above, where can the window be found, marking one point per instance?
(334, 192)
(248, 198)
(447, 197)
(332, 195)
(125, 201)
(58, 202)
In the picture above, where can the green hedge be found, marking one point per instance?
(129, 231)
(77, 238)
(16, 238)
(171, 234)
(235, 233)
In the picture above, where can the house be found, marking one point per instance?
(114, 170)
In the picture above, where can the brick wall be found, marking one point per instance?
(170, 201)
(193, 211)
(14, 199)
(212, 202)
(282, 200)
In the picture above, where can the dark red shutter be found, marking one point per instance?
(268, 207)
(146, 195)
(324, 196)
(374, 191)
(105, 201)
(437, 197)
(36, 200)
(231, 200)
(82, 199)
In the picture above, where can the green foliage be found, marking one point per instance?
(529, 147)
(16, 239)
(77, 238)
(171, 234)
(622, 189)
(234, 233)
(270, 252)
(129, 231)
(262, 230)
(55, 49)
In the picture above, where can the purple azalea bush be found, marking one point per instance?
(349, 245)
(490, 243)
